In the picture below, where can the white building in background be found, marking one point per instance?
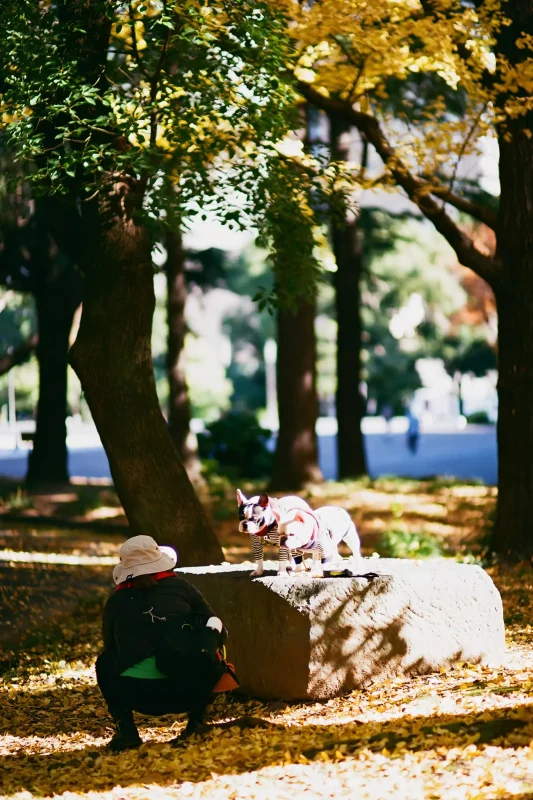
(480, 394)
(436, 403)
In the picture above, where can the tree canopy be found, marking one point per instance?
(424, 81)
(191, 100)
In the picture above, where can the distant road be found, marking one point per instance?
(467, 454)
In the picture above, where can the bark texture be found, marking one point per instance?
(514, 517)
(179, 407)
(57, 295)
(348, 251)
(351, 455)
(31, 262)
(513, 535)
(296, 456)
(112, 357)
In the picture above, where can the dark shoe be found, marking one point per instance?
(126, 737)
(194, 727)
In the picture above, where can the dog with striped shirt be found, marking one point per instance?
(259, 517)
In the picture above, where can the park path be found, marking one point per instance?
(465, 454)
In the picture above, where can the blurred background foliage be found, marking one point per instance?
(407, 265)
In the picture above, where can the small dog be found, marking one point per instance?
(259, 517)
(320, 532)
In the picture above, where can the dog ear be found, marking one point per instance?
(264, 500)
(240, 498)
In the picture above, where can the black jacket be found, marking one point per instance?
(128, 631)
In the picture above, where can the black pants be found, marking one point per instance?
(190, 694)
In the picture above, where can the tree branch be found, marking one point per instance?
(136, 53)
(154, 82)
(482, 213)
(486, 267)
(18, 355)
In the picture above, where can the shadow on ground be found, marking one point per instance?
(232, 751)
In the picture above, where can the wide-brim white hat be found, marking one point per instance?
(141, 555)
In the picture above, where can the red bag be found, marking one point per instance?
(229, 680)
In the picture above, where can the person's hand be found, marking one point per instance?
(216, 624)
(209, 642)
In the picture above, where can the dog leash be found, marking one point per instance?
(346, 573)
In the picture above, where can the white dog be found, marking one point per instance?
(259, 517)
(320, 532)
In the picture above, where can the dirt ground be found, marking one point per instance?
(465, 733)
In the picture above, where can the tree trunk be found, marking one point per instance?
(57, 295)
(513, 534)
(179, 407)
(296, 456)
(348, 251)
(112, 357)
(351, 456)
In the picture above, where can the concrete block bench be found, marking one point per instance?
(312, 638)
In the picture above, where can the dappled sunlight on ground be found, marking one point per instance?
(465, 733)
(456, 514)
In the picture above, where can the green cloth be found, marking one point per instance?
(143, 669)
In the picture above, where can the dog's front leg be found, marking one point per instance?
(257, 550)
(352, 540)
(317, 570)
(285, 561)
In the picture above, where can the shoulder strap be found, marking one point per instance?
(158, 576)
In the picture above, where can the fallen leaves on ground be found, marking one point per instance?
(464, 733)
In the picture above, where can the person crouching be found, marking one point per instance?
(161, 644)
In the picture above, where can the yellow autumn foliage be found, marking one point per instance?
(353, 49)
(462, 733)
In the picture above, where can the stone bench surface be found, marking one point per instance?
(312, 638)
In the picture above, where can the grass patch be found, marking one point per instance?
(19, 500)
(437, 483)
(406, 544)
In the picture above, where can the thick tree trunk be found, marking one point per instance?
(296, 456)
(513, 534)
(57, 295)
(179, 407)
(348, 251)
(112, 357)
(351, 456)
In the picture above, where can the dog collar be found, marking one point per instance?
(267, 529)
